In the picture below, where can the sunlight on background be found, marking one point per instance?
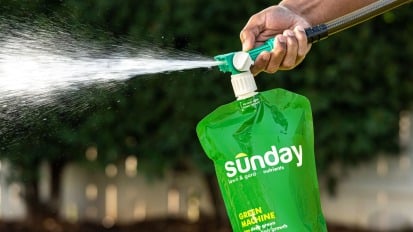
(173, 201)
(12, 205)
(111, 170)
(111, 202)
(382, 167)
(139, 211)
(131, 165)
(91, 153)
(72, 214)
(91, 192)
(193, 209)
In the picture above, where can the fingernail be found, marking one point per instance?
(265, 56)
(289, 33)
(281, 39)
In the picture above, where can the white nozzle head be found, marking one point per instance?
(244, 85)
(242, 61)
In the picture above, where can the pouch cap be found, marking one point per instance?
(244, 85)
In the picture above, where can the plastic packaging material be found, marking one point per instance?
(262, 149)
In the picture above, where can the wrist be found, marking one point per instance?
(291, 6)
(305, 9)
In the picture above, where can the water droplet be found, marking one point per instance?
(35, 68)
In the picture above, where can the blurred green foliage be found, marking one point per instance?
(358, 82)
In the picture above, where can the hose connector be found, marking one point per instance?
(242, 80)
(227, 60)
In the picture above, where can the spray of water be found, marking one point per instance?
(41, 61)
(38, 62)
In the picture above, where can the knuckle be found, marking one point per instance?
(272, 68)
(292, 41)
(280, 49)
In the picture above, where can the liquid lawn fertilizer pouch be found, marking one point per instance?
(263, 152)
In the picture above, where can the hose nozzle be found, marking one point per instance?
(237, 62)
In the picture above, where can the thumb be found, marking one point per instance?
(247, 39)
(251, 31)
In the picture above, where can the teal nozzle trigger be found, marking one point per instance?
(226, 60)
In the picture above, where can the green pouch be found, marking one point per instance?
(263, 151)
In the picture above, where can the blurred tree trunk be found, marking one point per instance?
(56, 169)
(221, 217)
(37, 210)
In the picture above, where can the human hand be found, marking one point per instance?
(290, 44)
